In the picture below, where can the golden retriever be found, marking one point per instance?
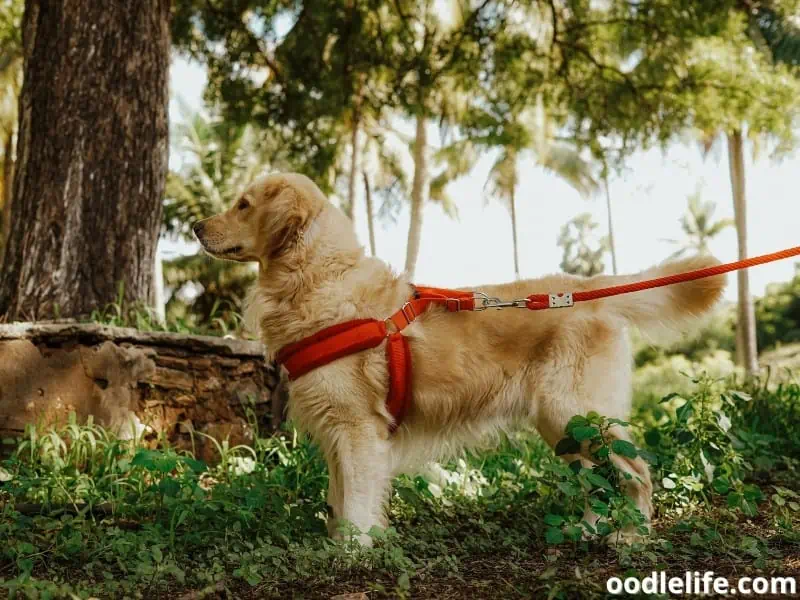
(474, 373)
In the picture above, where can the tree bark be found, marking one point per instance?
(370, 215)
(417, 194)
(8, 183)
(612, 245)
(513, 200)
(91, 157)
(746, 349)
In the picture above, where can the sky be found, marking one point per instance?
(648, 200)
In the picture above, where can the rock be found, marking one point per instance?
(129, 381)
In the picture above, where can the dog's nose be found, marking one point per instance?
(198, 228)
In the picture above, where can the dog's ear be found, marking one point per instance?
(288, 214)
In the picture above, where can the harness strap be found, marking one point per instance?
(452, 300)
(331, 344)
(398, 356)
(345, 339)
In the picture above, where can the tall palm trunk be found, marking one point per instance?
(350, 210)
(612, 245)
(746, 351)
(370, 215)
(417, 194)
(513, 200)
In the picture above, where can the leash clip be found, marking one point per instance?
(492, 302)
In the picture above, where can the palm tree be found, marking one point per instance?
(777, 35)
(699, 227)
(583, 252)
(528, 137)
(218, 161)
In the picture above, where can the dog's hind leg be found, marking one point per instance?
(638, 487)
(363, 478)
(552, 424)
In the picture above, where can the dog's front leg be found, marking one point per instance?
(360, 480)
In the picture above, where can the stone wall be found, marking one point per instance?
(130, 380)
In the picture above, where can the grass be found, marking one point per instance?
(84, 514)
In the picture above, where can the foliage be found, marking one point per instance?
(218, 161)
(778, 313)
(699, 227)
(118, 518)
(583, 252)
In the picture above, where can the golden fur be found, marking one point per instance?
(474, 373)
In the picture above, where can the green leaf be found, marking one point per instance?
(683, 436)
(576, 421)
(721, 485)
(570, 489)
(145, 459)
(624, 448)
(553, 536)
(573, 533)
(553, 520)
(752, 493)
(579, 434)
(198, 466)
(684, 412)
(599, 507)
(169, 487)
(669, 397)
(599, 481)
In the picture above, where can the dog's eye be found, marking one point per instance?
(243, 204)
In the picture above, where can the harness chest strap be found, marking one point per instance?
(355, 336)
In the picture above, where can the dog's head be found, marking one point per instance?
(265, 222)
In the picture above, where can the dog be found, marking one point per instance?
(475, 374)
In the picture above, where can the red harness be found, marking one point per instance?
(354, 336)
(348, 338)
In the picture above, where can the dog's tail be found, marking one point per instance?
(669, 309)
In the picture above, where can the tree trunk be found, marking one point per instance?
(612, 245)
(350, 209)
(91, 157)
(746, 350)
(417, 194)
(370, 215)
(513, 200)
(8, 183)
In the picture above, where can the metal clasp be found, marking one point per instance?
(408, 312)
(492, 302)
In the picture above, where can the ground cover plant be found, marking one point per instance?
(85, 514)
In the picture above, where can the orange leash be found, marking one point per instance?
(541, 301)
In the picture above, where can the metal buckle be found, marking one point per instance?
(410, 307)
(561, 300)
(457, 304)
(492, 302)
